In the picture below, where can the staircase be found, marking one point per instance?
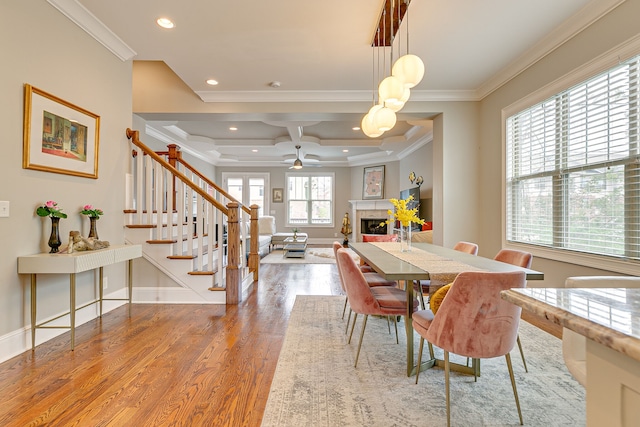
(189, 228)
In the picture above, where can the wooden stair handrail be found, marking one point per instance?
(133, 136)
(176, 155)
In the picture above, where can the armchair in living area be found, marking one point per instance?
(574, 345)
(266, 228)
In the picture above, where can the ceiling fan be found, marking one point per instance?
(297, 164)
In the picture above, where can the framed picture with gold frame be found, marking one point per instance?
(59, 137)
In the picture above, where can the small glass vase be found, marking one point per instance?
(405, 238)
(93, 231)
(54, 239)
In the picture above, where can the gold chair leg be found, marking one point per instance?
(431, 353)
(513, 385)
(419, 358)
(522, 354)
(446, 386)
(388, 324)
(348, 320)
(344, 309)
(364, 325)
(395, 325)
(355, 317)
(417, 282)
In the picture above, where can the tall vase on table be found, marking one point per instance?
(93, 231)
(94, 216)
(405, 238)
(51, 209)
(54, 238)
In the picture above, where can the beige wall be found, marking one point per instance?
(616, 27)
(43, 48)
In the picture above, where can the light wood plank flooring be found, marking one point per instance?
(167, 365)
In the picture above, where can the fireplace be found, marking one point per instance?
(372, 226)
(367, 216)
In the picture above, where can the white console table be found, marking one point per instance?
(72, 264)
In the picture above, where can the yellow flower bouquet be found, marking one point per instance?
(402, 213)
(405, 217)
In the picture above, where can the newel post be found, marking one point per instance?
(254, 257)
(233, 283)
(174, 156)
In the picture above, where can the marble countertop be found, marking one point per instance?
(608, 316)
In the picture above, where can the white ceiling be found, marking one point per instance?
(320, 52)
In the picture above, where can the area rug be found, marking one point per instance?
(316, 384)
(312, 256)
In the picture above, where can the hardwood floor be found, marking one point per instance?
(167, 365)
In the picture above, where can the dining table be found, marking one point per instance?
(426, 261)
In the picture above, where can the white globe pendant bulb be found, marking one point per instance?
(384, 119)
(409, 69)
(390, 89)
(367, 127)
(399, 104)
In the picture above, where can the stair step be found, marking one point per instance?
(217, 288)
(201, 273)
(181, 256)
(150, 225)
(132, 211)
(161, 242)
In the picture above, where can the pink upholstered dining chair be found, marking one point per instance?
(373, 279)
(473, 321)
(421, 285)
(520, 259)
(367, 300)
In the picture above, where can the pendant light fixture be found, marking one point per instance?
(367, 125)
(297, 164)
(384, 118)
(408, 68)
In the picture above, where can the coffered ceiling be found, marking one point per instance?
(321, 54)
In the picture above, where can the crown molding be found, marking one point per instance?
(84, 19)
(556, 38)
(328, 96)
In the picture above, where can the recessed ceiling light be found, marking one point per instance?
(254, 150)
(345, 151)
(212, 82)
(356, 128)
(233, 128)
(165, 23)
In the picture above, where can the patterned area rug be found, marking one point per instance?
(312, 256)
(315, 383)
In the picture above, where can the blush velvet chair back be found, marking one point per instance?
(513, 257)
(367, 300)
(520, 259)
(466, 247)
(379, 238)
(474, 321)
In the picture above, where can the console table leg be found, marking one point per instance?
(130, 283)
(101, 278)
(72, 312)
(33, 312)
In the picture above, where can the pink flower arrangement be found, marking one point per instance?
(91, 211)
(51, 209)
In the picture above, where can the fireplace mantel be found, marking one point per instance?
(368, 209)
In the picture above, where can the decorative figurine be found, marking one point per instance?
(346, 229)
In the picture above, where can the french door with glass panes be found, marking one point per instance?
(248, 189)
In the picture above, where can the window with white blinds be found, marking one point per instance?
(573, 168)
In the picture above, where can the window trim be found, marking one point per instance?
(333, 199)
(600, 64)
